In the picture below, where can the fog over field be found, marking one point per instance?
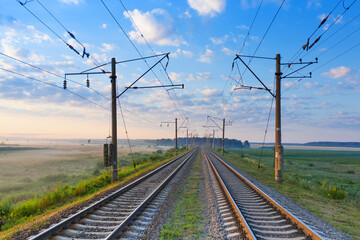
(31, 167)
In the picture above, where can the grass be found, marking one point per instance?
(324, 182)
(186, 220)
(15, 213)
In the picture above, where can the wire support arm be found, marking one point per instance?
(126, 61)
(165, 56)
(266, 88)
(162, 86)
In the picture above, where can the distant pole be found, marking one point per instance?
(278, 146)
(176, 143)
(187, 136)
(114, 126)
(222, 145)
(213, 138)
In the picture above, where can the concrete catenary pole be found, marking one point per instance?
(213, 138)
(278, 146)
(114, 169)
(176, 143)
(223, 136)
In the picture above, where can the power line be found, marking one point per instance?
(132, 43)
(257, 48)
(252, 23)
(307, 47)
(83, 85)
(54, 85)
(126, 132)
(265, 133)
(54, 74)
(70, 34)
(84, 53)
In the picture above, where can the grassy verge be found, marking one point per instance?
(186, 220)
(323, 182)
(14, 216)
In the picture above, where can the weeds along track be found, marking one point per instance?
(109, 217)
(259, 216)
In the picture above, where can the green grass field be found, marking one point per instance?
(34, 180)
(325, 182)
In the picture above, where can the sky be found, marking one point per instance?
(203, 38)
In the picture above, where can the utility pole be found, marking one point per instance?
(277, 96)
(222, 129)
(278, 146)
(176, 150)
(114, 124)
(213, 138)
(223, 138)
(187, 136)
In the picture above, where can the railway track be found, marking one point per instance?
(118, 212)
(259, 216)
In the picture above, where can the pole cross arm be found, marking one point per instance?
(266, 88)
(249, 87)
(181, 126)
(160, 86)
(165, 56)
(215, 123)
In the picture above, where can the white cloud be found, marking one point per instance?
(186, 14)
(210, 92)
(107, 47)
(217, 41)
(198, 77)
(187, 53)
(243, 27)
(313, 4)
(180, 52)
(103, 25)
(206, 57)
(246, 4)
(156, 26)
(338, 72)
(72, 1)
(255, 38)
(175, 76)
(203, 76)
(228, 51)
(207, 7)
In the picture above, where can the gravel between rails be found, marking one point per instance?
(212, 223)
(322, 227)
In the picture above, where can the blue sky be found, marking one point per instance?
(203, 37)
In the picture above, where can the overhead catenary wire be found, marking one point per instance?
(137, 50)
(257, 48)
(127, 135)
(53, 85)
(306, 46)
(54, 74)
(83, 85)
(84, 53)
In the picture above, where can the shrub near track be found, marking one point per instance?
(14, 214)
(323, 181)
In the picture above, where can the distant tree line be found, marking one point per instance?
(229, 143)
(333, 144)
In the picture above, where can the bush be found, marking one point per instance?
(332, 191)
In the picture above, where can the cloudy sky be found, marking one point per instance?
(202, 37)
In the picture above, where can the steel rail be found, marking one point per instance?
(307, 230)
(74, 218)
(117, 231)
(245, 227)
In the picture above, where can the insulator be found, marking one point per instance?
(87, 82)
(64, 85)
